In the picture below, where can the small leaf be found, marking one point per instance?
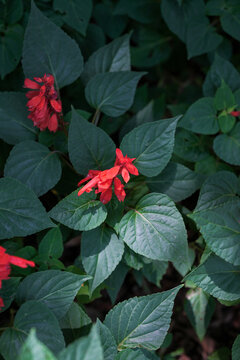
(176, 181)
(112, 57)
(75, 318)
(15, 126)
(80, 212)
(34, 165)
(55, 288)
(89, 146)
(113, 92)
(227, 146)
(49, 50)
(34, 349)
(87, 348)
(32, 314)
(224, 98)
(51, 246)
(142, 321)
(115, 281)
(155, 229)
(76, 13)
(21, 213)
(151, 144)
(218, 278)
(230, 21)
(201, 117)
(226, 122)
(101, 252)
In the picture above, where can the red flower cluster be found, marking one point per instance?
(103, 180)
(5, 261)
(44, 106)
(235, 113)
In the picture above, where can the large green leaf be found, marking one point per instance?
(176, 181)
(32, 314)
(76, 13)
(112, 57)
(75, 318)
(51, 246)
(151, 144)
(21, 213)
(87, 348)
(56, 289)
(130, 354)
(236, 348)
(33, 349)
(155, 229)
(80, 212)
(49, 50)
(34, 165)
(115, 280)
(10, 48)
(112, 92)
(221, 69)
(201, 36)
(11, 11)
(101, 252)
(189, 146)
(217, 214)
(107, 340)
(201, 117)
(230, 20)
(14, 124)
(89, 146)
(218, 278)
(227, 146)
(142, 321)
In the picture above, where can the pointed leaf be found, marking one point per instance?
(107, 340)
(75, 318)
(227, 146)
(51, 246)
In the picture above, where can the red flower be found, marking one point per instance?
(5, 261)
(126, 165)
(235, 113)
(44, 106)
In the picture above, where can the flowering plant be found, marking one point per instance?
(119, 186)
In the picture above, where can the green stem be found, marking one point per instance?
(96, 117)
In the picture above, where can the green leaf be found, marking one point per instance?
(230, 21)
(49, 50)
(101, 252)
(199, 310)
(11, 12)
(221, 69)
(55, 288)
(144, 11)
(155, 229)
(217, 214)
(15, 126)
(176, 181)
(130, 354)
(151, 144)
(10, 49)
(107, 340)
(75, 318)
(112, 57)
(189, 146)
(21, 213)
(8, 291)
(34, 165)
(142, 321)
(34, 349)
(218, 278)
(227, 146)
(201, 117)
(76, 13)
(80, 212)
(201, 36)
(113, 92)
(32, 314)
(87, 348)
(89, 146)
(51, 246)
(224, 98)
(115, 281)
(236, 348)
(226, 122)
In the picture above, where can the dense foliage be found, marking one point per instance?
(119, 161)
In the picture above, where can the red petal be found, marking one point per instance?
(125, 175)
(56, 105)
(109, 174)
(38, 79)
(119, 189)
(1, 301)
(15, 260)
(30, 94)
(106, 196)
(119, 156)
(89, 185)
(132, 169)
(34, 101)
(30, 84)
(53, 123)
(104, 185)
(235, 113)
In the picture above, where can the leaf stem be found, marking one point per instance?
(96, 117)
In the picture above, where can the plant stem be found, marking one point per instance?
(96, 117)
